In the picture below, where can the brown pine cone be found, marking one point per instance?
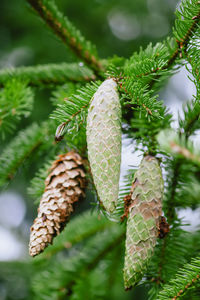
(64, 186)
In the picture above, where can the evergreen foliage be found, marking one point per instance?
(51, 74)
(63, 273)
(63, 92)
(72, 113)
(16, 101)
(37, 186)
(67, 32)
(21, 147)
(86, 259)
(186, 278)
(170, 254)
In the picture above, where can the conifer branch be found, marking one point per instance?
(186, 24)
(101, 285)
(191, 120)
(185, 279)
(63, 92)
(37, 185)
(66, 31)
(22, 146)
(176, 146)
(94, 260)
(16, 101)
(170, 254)
(72, 112)
(147, 109)
(51, 74)
(74, 267)
(59, 276)
(188, 17)
(192, 55)
(142, 108)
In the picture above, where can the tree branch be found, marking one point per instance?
(93, 263)
(179, 45)
(188, 285)
(63, 28)
(51, 74)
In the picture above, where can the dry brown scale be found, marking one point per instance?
(63, 187)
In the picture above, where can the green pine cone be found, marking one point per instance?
(143, 219)
(104, 142)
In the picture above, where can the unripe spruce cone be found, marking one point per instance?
(104, 142)
(63, 187)
(143, 219)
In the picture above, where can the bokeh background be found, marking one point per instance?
(116, 27)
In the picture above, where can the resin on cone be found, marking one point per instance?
(143, 219)
(104, 142)
(63, 187)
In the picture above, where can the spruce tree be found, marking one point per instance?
(139, 234)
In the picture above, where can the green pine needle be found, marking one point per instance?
(74, 110)
(21, 147)
(186, 278)
(16, 101)
(50, 74)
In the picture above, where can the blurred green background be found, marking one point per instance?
(116, 27)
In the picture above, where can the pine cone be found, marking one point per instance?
(64, 186)
(104, 142)
(143, 219)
